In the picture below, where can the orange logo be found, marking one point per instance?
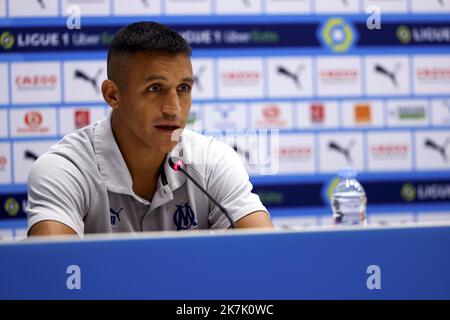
(363, 114)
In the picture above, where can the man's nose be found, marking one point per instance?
(171, 103)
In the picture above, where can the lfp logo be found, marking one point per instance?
(337, 34)
(6, 40)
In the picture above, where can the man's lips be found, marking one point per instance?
(167, 128)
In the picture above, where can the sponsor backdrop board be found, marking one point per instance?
(300, 89)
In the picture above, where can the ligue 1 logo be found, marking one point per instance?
(11, 207)
(7, 40)
(408, 192)
(337, 34)
(404, 34)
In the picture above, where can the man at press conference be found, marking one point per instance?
(139, 169)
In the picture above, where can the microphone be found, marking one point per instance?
(178, 165)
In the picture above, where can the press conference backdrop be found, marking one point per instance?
(341, 91)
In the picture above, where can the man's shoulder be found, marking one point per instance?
(75, 151)
(77, 143)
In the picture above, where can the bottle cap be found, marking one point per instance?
(347, 173)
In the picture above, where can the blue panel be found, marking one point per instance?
(278, 265)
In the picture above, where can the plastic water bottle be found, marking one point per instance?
(349, 200)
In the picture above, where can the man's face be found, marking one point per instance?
(155, 99)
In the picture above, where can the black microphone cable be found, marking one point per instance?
(178, 165)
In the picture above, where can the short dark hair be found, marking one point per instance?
(147, 37)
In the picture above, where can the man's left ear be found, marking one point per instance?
(110, 93)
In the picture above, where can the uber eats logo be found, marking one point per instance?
(6, 40)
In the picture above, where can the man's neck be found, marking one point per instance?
(143, 162)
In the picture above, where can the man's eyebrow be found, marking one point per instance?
(156, 77)
(188, 79)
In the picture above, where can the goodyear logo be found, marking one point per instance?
(7, 40)
(337, 34)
